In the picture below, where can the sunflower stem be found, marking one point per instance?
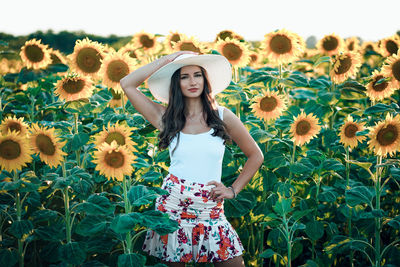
(19, 212)
(128, 240)
(77, 152)
(66, 206)
(350, 208)
(291, 162)
(123, 103)
(238, 109)
(377, 207)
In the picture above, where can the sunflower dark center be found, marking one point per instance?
(232, 51)
(268, 103)
(330, 44)
(88, 60)
(14, 126)
(132, 54)
(118, 137)
(379, 87)
(114, 159)
(146, 41)
(351, 46)
(45, 145)
(280, 44)
(225, 34)
(189, 46)
(396, 70)
(303, 127)
(34, 53)
(175, 38)
(72, 86)
(253, 57)
(10, 149)
(115, 96)
(117, 70)
(387, 135)
(344, 65)
(391, 47)
(350, 130)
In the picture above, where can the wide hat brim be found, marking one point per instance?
(218, 68)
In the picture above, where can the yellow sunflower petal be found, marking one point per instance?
(114, 67)
(391, 68)
(378, 91)
(304, 128)
(86, 58)
(282, 46)
(385, 136)
(330, 44)
(236, 52)
(15, 151)
(119, 133)
(35, 55)
(389, 46)
(14, 124)
(189, 44)
(345, 65)
(114, 161)
(73, 87)
(270, 106)
(348, 132)
(45, 143)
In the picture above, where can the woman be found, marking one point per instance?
(195, 130)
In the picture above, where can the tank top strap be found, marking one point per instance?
(221, 112)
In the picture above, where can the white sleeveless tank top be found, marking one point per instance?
(198, 157)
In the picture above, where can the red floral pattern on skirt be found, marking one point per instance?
(204, 233)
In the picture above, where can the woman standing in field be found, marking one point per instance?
(195, 130)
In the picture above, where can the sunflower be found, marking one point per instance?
(118, 133)
(223, 35)
(352, 44)
(11, 123)
(116, 100)
(330, 44)
(45, 143)
(369, 46)
(171, 39)
(348, 132)
(378, 91)
(10, 66)
(15, 151)
(269, 106)
(391, 68)
(57, 57)
(189, 44)
(389, 46)
(35, 55)
(147, 42)
(73, 87)
(114, 161)
(236, 52)
(345, 65)
(132, 51)
(282, 46)
(304, 128)
(256, 59)
(385, 136)
(86, 58)
(114, 67)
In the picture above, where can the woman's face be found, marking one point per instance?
(191, 81)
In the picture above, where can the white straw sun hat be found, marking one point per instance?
(218, 68)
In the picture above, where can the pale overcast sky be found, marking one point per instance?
(368, 19)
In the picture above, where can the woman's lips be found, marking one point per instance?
(193, 89)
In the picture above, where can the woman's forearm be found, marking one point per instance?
(251, 166)
(137, 77)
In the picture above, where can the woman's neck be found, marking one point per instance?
(193, 106)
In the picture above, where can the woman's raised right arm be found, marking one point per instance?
(151, 110)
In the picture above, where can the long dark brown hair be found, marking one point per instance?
(173, 119)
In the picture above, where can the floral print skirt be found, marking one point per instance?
(204, 233)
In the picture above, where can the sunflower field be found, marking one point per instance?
(81, 168)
